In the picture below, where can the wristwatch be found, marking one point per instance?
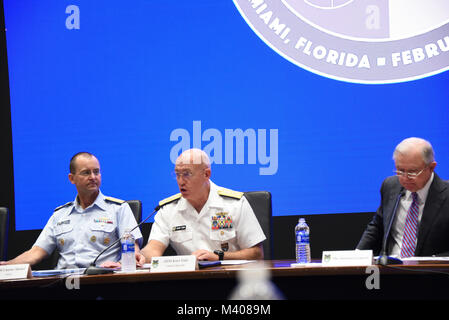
(220, 254)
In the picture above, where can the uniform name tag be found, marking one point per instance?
(178, 228)
(60, 223)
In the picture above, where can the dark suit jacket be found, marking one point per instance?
(433, 230)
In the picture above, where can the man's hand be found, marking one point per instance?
(111, 264)
(140, 260)
(205, 255)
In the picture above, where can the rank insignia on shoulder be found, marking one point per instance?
(230, 193)
(63, 206)
(114, 200)
(169, 199)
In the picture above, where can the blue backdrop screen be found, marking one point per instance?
(136, 82)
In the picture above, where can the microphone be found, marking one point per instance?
(93, 269)
(384, 259)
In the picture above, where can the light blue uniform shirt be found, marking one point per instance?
(81, 234)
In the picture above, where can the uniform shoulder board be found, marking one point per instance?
(169, 199)
(115, 200)
(64, 205)
(230, 193)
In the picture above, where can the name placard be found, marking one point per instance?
(347, 258)
(15, 271)
(173, 263)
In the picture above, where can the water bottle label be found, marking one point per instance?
(127, 247)
(302, 237)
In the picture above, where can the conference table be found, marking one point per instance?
(411, 280)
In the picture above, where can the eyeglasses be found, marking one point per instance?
(410, 175)
(184, 174)
(86, 173)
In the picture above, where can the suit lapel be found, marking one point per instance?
(431, 211)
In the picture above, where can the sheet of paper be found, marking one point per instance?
(426, 259)
(232, 262)
(56, 272)
(302, 265)
(137, 271)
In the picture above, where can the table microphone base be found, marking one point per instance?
(385, 260)
(92, 270)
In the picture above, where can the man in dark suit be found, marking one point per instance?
(413, 216)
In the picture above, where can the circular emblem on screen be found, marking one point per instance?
(362, 41)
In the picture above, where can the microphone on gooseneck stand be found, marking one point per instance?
(93, 269)
(384, 259)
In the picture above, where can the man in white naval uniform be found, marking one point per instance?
(204, 219)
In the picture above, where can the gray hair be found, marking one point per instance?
(410, 143)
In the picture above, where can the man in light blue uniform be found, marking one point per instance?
(81, 229)
(102, 223)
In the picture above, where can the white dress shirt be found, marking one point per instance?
(186, 230)
(397, 229)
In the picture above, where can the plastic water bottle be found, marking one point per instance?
(128, 253)
(254, 284)
(302, 232)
